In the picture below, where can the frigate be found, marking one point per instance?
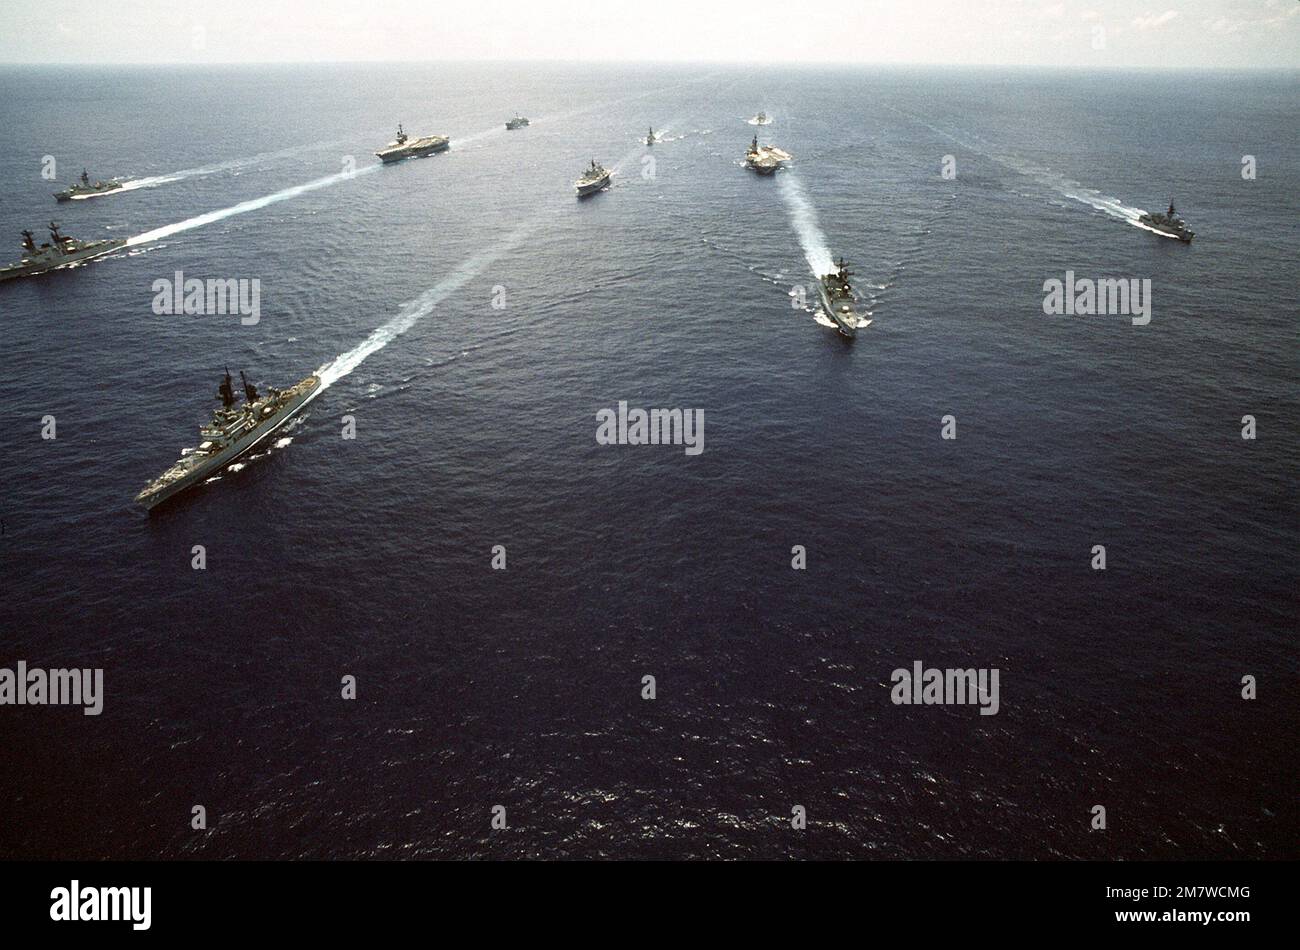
(761, 119)
(650, 137)
(1169, 224)
(593, 180)
(838, 300)
(765, 159)
(518, 122)
(235, 428)
(87, 188)
(405, 147)
(61, 252)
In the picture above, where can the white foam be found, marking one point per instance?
(413, 311)
(804, 218)
(245, 206)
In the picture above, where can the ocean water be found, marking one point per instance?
(475, 427)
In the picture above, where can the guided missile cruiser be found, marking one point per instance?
(838, 300)
(406, 147)
(1169, 224)
(61, 252)
(593, 180)
(234, 430)
(88, 189)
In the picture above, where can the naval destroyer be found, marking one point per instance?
(405, 147)
(88, 189)
(235, 428)
(760, 119)
(518, 122)
(765, 159)
(593, 179)
(650, 138)
(1169, 224)
(61, 253)
(838, 300)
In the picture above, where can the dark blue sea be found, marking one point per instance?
(475, 427)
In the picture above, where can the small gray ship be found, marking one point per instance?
(838, 300)
(88, 189)
(1169, 224)
(518, 122)
(765, 159)
(593, 180)
(235, 428)
(404, 146)
(760, 119)
(650, 136)
(60, 252)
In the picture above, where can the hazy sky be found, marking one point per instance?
(1225, 33)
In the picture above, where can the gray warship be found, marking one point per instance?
(405, 147)
(650, 137)
(62, 252)
(765, 159)
(88, 189)
(234, 429)
(760, 119)
(1169, 223)
(518, 122)
(838, 300)
(593, 180)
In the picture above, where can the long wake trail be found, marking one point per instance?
(1066, 187)
(245, 206)
(803, 216)
(414, 311)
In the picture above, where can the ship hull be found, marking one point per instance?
(233, 453)
(36, 269)
(1165, 230)
(590, 188)
(78, 193)
(845, 326)
(416, 149)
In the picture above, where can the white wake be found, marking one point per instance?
(245, 206)
(414, 311)
(803, 216)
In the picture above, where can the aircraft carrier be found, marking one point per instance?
(404, 147)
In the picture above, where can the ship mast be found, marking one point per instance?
(226, 392)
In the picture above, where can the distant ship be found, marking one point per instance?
(593, 180)
(234, 430)
(765, 159)
(761, 119)
(1169, 223)
(650, 138)
(87, 189)
(838, 300)
(518, 122)
(62, 252)
(403, 147)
